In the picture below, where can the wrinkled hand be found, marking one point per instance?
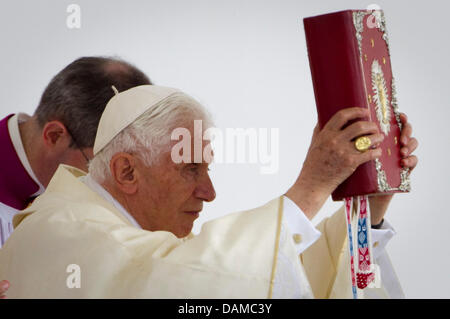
(332, 158)
(4, 285)
(379, 204)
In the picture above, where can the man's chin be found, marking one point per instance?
(182, 234)
(184, 231)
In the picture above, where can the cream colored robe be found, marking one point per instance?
(232, 257)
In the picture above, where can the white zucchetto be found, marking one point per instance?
(124, 108)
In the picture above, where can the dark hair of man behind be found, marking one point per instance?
(78, 94)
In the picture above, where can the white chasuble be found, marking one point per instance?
(72, 243)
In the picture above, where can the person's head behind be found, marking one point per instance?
(71, 106)
(136, 167)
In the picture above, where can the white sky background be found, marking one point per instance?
(247, 62)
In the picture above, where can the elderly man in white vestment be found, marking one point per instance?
(124, 229)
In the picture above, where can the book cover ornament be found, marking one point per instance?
(385, 105)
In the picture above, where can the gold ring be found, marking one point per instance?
(362, 143)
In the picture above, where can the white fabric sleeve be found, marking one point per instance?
(380, 238)
(295, 221)
(389, 279)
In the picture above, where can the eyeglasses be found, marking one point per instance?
(74, 141)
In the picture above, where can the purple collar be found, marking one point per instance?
(16, 186)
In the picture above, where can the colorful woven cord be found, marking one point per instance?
(362, 273)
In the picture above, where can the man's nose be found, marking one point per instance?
(205, 190)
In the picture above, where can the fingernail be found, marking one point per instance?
(405, 151)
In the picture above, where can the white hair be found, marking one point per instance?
(150, 134)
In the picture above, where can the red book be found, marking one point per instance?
(350, 66)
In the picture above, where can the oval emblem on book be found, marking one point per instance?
(381, 98)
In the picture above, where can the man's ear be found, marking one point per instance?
(55, 135)
(124, 173)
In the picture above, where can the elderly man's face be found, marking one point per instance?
(170, 196)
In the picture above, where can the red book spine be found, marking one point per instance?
(342, 78)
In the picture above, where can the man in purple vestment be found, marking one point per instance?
(61, 131)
